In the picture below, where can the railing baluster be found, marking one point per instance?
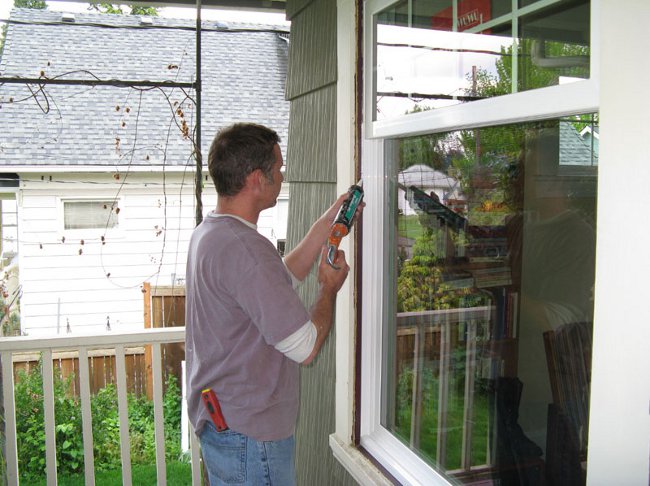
(123, 412)
(443, 390)
(86, 417)
(158, 414)
(189, 440)
(468, 409)
(185, 426)
(48, 412)
(11, 451)
(196, 459)
(416, 398)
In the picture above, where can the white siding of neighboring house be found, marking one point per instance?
(428, 180)
(61, 286)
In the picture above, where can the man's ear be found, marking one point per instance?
(254, 179)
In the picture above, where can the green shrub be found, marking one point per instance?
(106, 427)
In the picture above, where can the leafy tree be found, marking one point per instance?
(9, 316)
(119, 9)
(482, 146)
(38, 4)
(422, 149)
(421, 286)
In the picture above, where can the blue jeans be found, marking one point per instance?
(234, 458)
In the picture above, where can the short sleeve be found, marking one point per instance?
(266, 295)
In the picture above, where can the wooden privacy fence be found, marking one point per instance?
(101, 367)
(164, 306)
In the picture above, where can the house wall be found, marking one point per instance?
(311, 155)
(619, 422)
(619, 419)
(84, 285)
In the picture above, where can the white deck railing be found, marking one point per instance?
(83, 344)
(443, 323)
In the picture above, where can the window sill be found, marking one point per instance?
(358, 465)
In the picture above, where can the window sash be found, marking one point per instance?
(550, 102)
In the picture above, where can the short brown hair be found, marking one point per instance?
(238, 150)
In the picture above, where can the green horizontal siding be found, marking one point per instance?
(311, 151)
(312, 49)
(311, 173)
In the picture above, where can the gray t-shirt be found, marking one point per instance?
(240, 303)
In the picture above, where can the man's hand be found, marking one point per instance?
(329, 215)
(301, 259)
(332, 279)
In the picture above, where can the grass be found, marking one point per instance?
(409, 226)
(178, 474)
(454, 426)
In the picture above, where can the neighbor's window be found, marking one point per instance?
(281, 245)
(8, 226)
(490, 300)
(89, 214)
(430, 54)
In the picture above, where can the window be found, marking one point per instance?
(89, 214)
(281, 245)
(8, 227)
(429, 57)
(479, 257)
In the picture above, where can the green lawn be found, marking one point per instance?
(178, 474)
(409, 226)
(454, 425)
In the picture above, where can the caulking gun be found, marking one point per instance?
(343, 221)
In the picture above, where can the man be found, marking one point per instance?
(247, 331)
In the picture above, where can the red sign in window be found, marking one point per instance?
(470, 14)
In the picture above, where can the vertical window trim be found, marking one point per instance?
(574, 98)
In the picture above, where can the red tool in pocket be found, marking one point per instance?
(211, 403)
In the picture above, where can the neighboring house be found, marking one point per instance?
(103, 176)
(429, 180)
(578, 147)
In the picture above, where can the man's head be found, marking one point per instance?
(239, 150)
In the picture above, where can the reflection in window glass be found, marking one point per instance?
(490, 339)
(430, 55)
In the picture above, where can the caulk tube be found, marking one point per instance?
(343, 221)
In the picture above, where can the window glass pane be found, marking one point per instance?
(430, 55)
(489, 339)
(90, 214)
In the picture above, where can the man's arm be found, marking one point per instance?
(300, 260)
(330, 281)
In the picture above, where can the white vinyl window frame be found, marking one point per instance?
(544, 103)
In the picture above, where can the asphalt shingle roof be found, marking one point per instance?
(574, 149)
(243, 78)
